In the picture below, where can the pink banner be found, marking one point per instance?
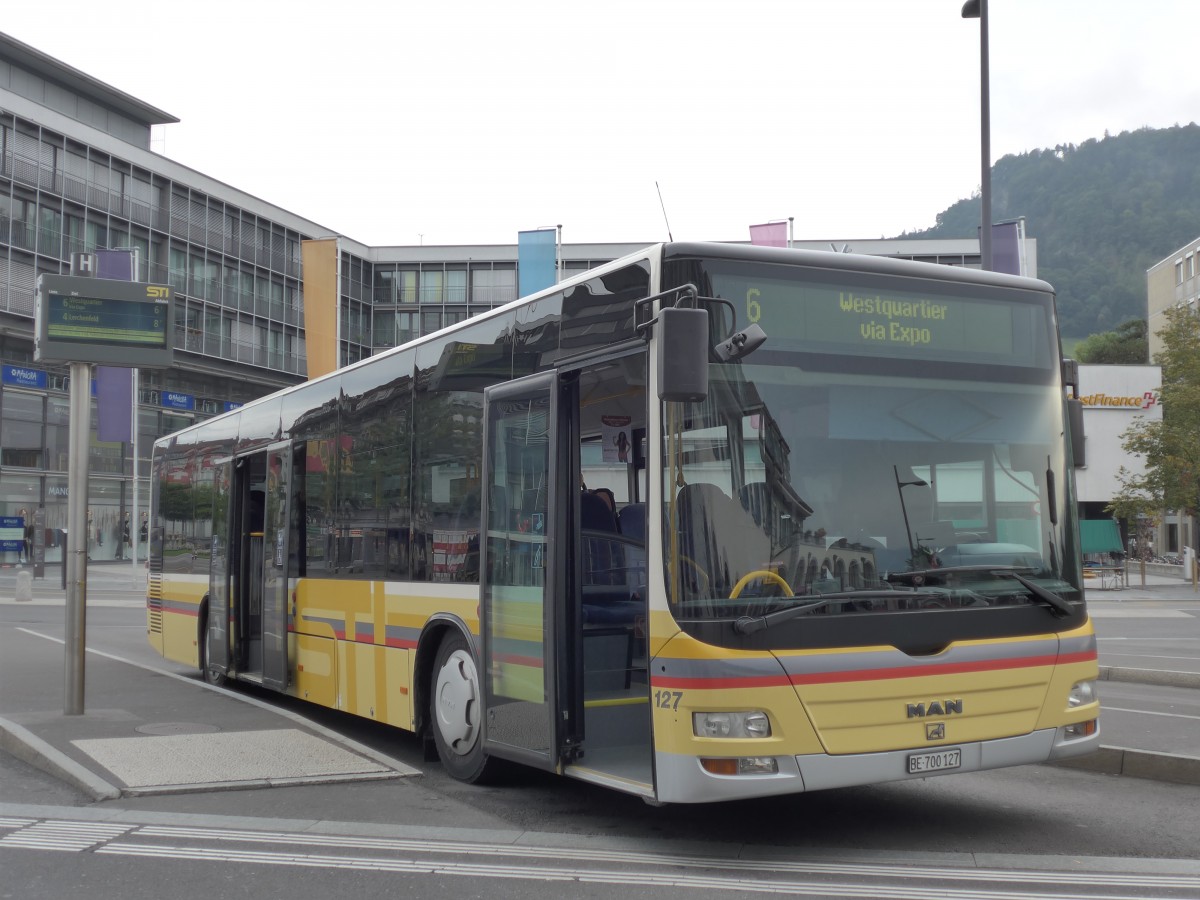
(772, 234)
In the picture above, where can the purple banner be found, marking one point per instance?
(770, 234)
(1006, 248)
(114, 404)
(115, 264)
(114, 386)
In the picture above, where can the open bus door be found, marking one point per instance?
(276, 533)
(521, 571)
(214, 649)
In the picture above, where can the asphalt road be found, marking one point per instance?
(987, 833)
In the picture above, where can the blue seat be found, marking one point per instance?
(632, 521)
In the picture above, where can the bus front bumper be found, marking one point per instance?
(682, 779)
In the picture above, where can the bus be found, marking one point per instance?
(706, 522)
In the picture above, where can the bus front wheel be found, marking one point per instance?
(456, 710)
(211, 674)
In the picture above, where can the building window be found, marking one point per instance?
(493, 286)
(431, 287)
(22, 430)
(385, 286)
(431, 321)
(407, 282)
(456, 286)
(406, 327)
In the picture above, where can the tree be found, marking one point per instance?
(1170, 447)
(1126, 345)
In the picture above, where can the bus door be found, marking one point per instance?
(521, 571)
(274, 591)
(247, 561)
(215, 649)
(608, 599)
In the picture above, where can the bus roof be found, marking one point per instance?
(657, 253)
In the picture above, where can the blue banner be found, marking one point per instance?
(12, 534)
(231, 405)
(19, 376)
(176, 400)
(537, 253)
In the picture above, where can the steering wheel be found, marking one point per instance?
(757, 574)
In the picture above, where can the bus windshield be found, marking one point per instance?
(895, 445)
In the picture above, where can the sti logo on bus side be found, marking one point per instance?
(935, 708)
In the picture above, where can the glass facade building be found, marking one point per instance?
(77, 175)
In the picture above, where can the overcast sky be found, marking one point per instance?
(449, 122)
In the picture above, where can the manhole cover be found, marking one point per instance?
(176, 728)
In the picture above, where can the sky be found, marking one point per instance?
(465, 122)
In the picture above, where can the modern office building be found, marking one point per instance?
(77, 175)
(1172, 281)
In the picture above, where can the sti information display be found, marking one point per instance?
(97, 320)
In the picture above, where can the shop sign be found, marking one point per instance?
(176, 400)
(20, 376)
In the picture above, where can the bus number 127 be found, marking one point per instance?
(668, 699)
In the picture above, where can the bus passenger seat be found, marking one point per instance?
(632, 520)
(602, 558)
(595, 514)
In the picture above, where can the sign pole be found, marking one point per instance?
(77, 536)
(134, 524)
(84, 320)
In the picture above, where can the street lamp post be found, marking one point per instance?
(978, 9)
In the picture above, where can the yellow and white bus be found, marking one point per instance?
(707, 522)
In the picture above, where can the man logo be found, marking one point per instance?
(935, 731)
(935, 708)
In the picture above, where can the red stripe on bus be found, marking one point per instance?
(758, 681)
(721, 683)
(986, 665)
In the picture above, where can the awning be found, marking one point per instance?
(1100, 536)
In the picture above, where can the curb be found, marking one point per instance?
(1159, 677)
(1138, 764)
(29, 748)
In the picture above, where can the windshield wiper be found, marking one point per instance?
(751, 624)
(1059, 606)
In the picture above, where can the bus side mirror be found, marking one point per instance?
(1075, 420)
(682, 355)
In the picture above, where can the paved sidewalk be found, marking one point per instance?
(148, 731)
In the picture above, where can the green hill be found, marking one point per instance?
(1102, 213)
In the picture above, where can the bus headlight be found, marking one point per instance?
(748, 724)
(1082, 693)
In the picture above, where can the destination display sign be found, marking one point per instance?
(899, 320)
(886, 321)
(98, 320)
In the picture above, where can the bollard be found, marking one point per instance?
(24, 586)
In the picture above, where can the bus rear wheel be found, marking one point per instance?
(456, 710)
